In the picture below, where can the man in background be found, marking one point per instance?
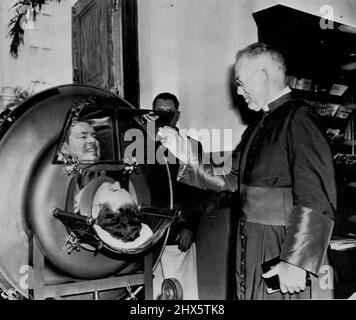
(179, 259)
(183, 231)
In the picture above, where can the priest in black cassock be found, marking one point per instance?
(283, 173)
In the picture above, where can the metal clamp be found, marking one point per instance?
(72, 243)
(131, 166)
(132, 294)
(8, 294)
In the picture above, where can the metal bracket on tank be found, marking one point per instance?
(81, 233)
(131, 166)
(8, 295)
(7, 292)
(72, 243)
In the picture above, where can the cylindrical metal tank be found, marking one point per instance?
(31, 186)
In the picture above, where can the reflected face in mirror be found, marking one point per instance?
(81, 143)
(113, 196)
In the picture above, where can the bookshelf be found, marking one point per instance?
(321, 68)
(334, 106)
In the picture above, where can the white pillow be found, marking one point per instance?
(114, 243)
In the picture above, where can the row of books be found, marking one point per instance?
(338, 112)
(300, 84)
(311, 86)
(345, 159)
(335, 110)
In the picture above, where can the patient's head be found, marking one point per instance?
(118, 212)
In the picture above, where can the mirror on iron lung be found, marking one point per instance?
(91, 149)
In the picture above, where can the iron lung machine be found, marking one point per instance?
(46, 249)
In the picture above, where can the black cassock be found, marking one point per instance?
(283, 173)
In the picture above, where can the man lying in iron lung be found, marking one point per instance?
(118, 217)
(113, 207)
(116, 212)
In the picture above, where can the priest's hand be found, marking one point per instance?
(292, 279)
(176, 142)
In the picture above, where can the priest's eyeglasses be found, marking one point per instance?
(242, 83)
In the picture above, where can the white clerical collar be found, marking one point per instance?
(282, 93)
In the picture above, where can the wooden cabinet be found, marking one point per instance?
(105, 46)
